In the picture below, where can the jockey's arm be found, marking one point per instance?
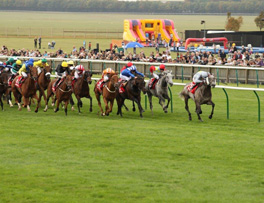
(140, 73)
(155, 75)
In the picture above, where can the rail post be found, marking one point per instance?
(182, 73)
(258, 105)
(146, 102)
(237, 77)
(171, 100)
(217, 72)
(257, 78)
(227, 104)
(91, 66)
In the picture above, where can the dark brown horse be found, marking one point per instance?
(43, 83)
(27, 90)
(3, 86)
(109, 94)
(81, 89)
(62, 93)
(202, 95)
(132, 92)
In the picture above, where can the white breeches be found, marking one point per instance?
(76, 75)
(60, 76)
(123, 77)
(105, 78)
(24, 74)
(39, 70)
(156, 76)
(196, 79)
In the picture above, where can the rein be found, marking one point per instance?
(109, 90)
(64, 90)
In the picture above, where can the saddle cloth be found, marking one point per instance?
(18, 84)
(190, 87)
(121, 86)
(100, 84)
(151, 82)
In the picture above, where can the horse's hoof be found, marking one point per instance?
(190, 118)
(36, 111)
(72, 108)
(210, 117)
(201, 120)
(52, 104)
(166, 111)
(19, 109)
(91, 110)
(102, 114)
(134, 109)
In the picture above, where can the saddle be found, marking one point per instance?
(19, 82)
(152, 83)
(122, 85)
(100, 85)
(192, 87)
(54, 87)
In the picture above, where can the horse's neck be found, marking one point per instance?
(162, 82)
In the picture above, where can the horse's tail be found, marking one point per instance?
(182, 94)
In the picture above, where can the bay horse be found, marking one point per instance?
(202, 95)
(81, 89)
(43, 83)
(3, 86)
(160, 90)
(62, 93)
(132, 92)
(108, 93)
(28, 89)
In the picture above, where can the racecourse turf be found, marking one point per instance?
(50, 157)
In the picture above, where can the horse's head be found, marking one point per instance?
(88, 76)
(167, 77)
(68, 81)
(140, 83)
(114, 81)
(4, 79)
(47, 71)
(211, 81)
(34, 73)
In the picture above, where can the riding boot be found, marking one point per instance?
(21, 80)
(101, 87)
(154, 81)
(196, 84)
(56, 83)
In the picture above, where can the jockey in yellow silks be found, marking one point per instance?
(40, 64)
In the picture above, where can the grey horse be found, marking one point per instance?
(161, 90)
(202, 95)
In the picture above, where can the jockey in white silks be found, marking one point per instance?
(200, 77)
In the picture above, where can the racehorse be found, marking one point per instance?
(160, 91)
(28, 89)
(132, 92)
(43, 83)
(108, 93)
(62, 93)
(3, 86)
(202, 95)
(81, 89)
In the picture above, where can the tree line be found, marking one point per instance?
(188, 6)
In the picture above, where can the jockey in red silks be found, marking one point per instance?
(155, 73)
(79, 72)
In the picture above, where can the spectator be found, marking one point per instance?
(35, 42)
(39, 39)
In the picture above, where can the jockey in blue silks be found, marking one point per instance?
(129, 73)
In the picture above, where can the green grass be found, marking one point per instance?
(48, 157)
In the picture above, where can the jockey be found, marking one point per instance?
(61, 71)
(71, 65)
(156, 72)
(10, 61)
(79, 71)
(129, 64)
(105, 74)
(4, 67)
(14, 71)
(129, 73)
(200, 77)
(24, 70)
(40, 64)
(105, 78)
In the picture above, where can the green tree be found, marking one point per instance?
(259, 20)
(232, 23)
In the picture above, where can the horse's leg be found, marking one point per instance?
(57, 105)
(134, 108)
(15, 93)
(72, 103)
(161, 102)
(212, 112)
(198, 110)
(78, 102)
(150, 102)
(106, 107)
(65, 108)
(166, 96)
(26, 103)
(91, 103)
(137, 100)
(49, 93)
(8, 98)
(111, 105)
(186, 99)
(97, 95)
(2, 105)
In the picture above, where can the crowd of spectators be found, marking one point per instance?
(243, 57)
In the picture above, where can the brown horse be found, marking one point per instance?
(43, 83)
(132, 92)
(109, 94)
(81, 89)
(3, 86)
(27, 90)
(202, 95)
(62, 93)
